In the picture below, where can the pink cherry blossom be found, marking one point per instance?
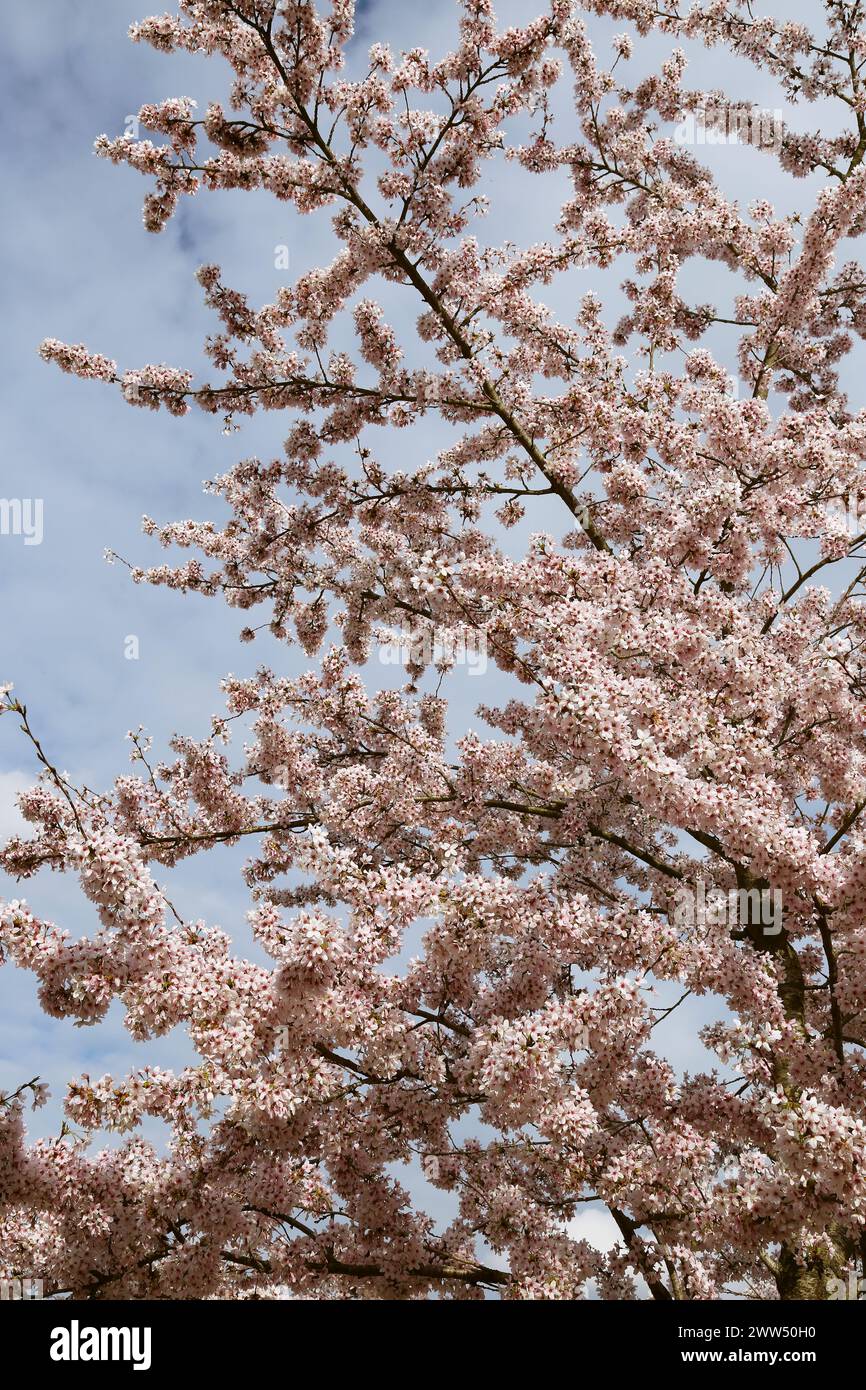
(472, 933)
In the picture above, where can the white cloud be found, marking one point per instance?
(11, 820)
(596, 1226)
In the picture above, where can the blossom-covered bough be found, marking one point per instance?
(684, 645)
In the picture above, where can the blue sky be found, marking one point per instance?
(80, 267)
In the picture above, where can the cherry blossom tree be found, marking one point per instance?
(679, 640)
